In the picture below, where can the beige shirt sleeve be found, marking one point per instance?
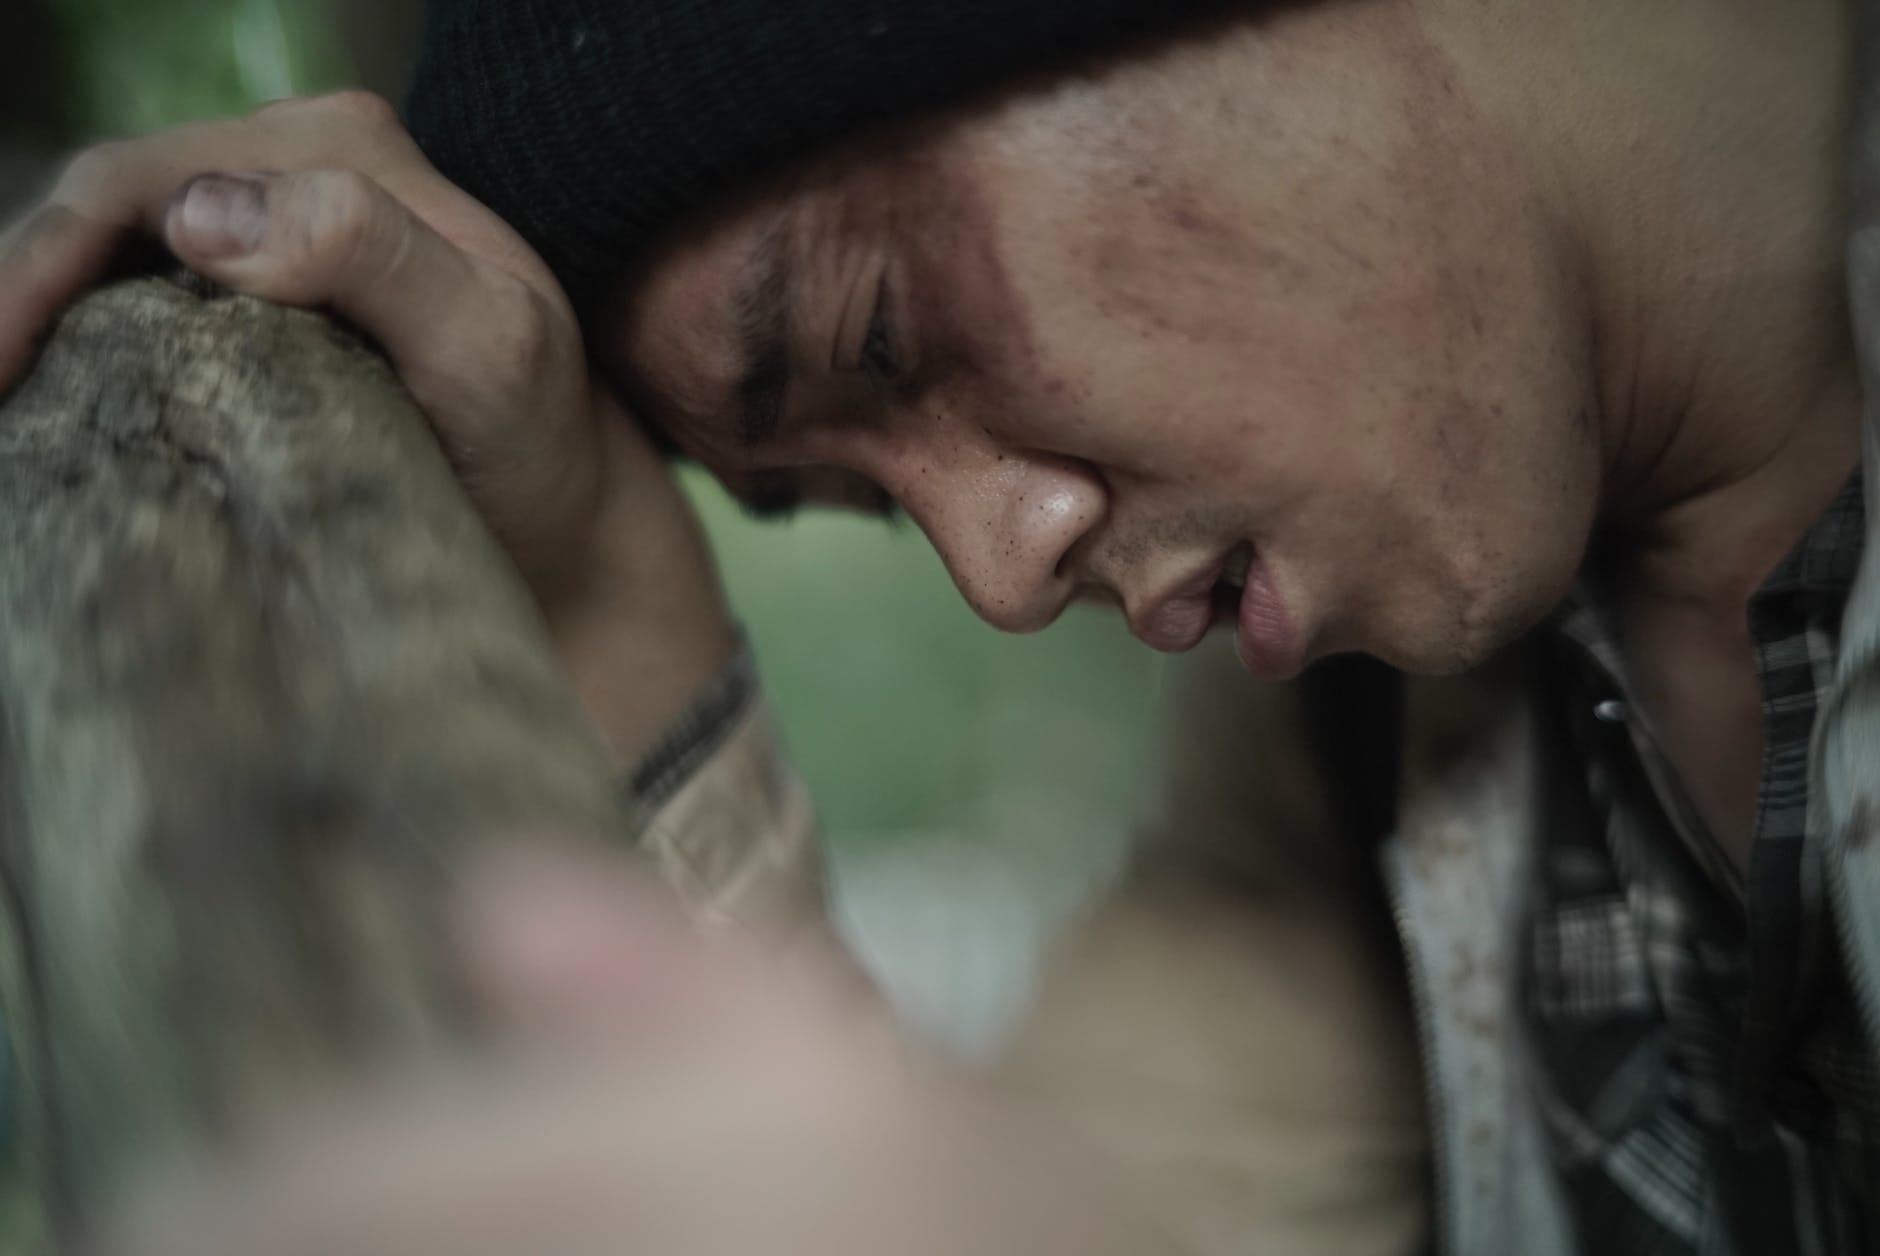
(734, 832)
(738, 838)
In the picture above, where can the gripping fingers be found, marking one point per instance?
(45, 262)
(104, 194)
(332, 238)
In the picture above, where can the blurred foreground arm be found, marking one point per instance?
(660, 1092)
(1232, 1028)
(1243, 1061)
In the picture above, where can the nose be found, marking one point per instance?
(1005, 523)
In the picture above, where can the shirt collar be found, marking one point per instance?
(1822, 563)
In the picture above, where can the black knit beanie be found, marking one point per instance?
(593, 125)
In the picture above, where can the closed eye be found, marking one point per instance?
(878, 360)
(772, 503)
(777, 498)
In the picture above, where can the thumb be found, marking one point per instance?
(337, 238)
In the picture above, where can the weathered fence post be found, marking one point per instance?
(263, 679)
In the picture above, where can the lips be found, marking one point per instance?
(1178, 619)
(1265, 635)
(1237, 588)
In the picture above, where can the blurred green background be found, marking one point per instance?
(907, 715)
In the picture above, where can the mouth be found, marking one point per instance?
(1229, 587)
(1179, 618)
(1266, 636)
(1238, 589)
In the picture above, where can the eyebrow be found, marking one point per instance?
(763, 332)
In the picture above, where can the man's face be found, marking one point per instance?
(1262, 329)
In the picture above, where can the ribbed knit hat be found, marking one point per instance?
(591, 126)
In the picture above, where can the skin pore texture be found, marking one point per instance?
(1385, 308)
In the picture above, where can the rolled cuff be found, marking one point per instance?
(725, 816)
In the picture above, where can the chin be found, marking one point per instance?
(1474, 631)
(1425, 658)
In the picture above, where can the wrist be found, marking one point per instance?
(637, 672)
(643, 628)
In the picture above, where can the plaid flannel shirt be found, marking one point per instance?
(1705, 1086)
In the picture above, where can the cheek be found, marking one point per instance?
(1400, 404)
(1496, 456)
(1172, 374)
(1081, 360)
(1465, 465)
(1474, 525)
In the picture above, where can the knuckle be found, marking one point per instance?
(24, 240)
(354, 104)
(281, 107)
(89, 172)
(529, 336)
(353, 129)
(360, 105)
(343, 219)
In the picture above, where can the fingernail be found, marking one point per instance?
(223, 216)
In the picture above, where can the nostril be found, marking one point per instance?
(1076, 523)
(1014, 534)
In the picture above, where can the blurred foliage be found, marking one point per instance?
(905, 714)
(144, 64)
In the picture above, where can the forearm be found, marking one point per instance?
(637, 675)
(644, 630)
(719, 807)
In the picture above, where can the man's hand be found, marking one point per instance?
(665, 1092)
(327, 202)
